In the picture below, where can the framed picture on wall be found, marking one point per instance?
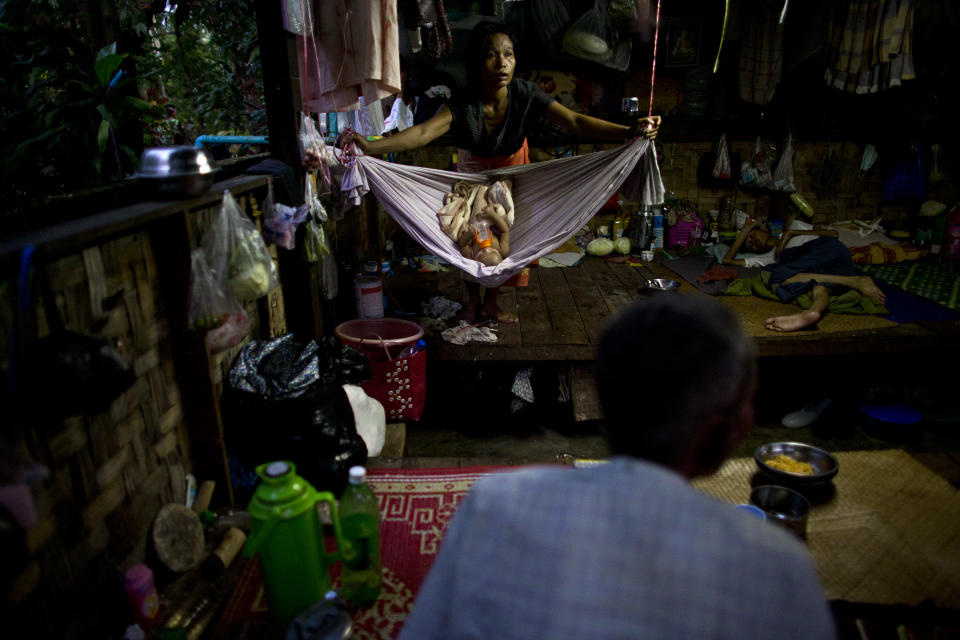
(683, 42)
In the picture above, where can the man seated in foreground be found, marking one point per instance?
(629, 549)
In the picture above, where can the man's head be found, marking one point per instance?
(758, 240)
(676, 379)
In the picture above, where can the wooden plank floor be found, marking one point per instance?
(562, 311)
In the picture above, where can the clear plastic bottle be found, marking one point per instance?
(481, 232)
(360, 524)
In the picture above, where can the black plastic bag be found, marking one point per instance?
(285, 401)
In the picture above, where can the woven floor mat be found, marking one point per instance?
(754, 311)
(886, 531)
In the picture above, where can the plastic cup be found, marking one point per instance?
(752, 510)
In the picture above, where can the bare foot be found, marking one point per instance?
(499, 315)
(866, 286)
(793, 322)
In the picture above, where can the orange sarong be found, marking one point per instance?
(467, 161)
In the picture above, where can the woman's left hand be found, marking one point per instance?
(648, 127)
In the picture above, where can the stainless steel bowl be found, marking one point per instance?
(177, 172)
(825, 466)
(661, 284)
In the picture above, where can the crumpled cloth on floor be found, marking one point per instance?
(522, 388)
(440, 307)
(718, 272)
(464, 333)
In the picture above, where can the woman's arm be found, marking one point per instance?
(413, 138)
(590, 127)
(731, 255)
(802, 232)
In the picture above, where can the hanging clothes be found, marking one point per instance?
(871, 46)
(761, 54)
(430, 18)
(350, 49)
(552, 200)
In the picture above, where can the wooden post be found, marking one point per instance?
(281, 87)
(201, 405)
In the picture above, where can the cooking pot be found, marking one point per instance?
(177, 172)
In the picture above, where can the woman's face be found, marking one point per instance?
(498, 62)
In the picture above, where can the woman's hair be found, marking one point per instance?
(477, 46)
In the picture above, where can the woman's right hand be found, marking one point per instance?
(358, 140)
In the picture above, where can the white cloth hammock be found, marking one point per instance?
(553, 200)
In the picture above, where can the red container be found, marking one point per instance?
(377, 337)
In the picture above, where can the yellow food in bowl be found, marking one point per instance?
(784, 462)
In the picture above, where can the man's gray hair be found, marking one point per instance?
(664, 366)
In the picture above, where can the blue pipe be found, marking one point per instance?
(209, 140)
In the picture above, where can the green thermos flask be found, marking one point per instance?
(288, 539)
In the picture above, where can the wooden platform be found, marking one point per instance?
(562, 311)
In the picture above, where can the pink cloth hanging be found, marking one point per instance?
(552, 199)
(350, 49)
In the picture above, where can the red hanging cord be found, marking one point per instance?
(653, 70)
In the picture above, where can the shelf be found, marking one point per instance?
(86, 230)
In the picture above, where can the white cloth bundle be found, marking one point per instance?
(552, 200)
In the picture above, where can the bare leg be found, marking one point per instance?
(471, 312)
(491, 310)
(805, 318)
(864, 284)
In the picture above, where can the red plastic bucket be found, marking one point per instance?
(376, 337)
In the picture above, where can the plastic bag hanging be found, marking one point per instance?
(211, 309)
(721, 166)
(313, 149)
(280, 224)
(236, 252)
(783, 174)
(592, 36)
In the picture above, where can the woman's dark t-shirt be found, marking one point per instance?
(526, 105)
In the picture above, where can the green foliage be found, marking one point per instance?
(81, 95)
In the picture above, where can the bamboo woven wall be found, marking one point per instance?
(109, 474)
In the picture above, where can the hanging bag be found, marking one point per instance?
(238, 255)
(783, 174)
(399, 384)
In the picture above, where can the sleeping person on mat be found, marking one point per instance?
(805, 260)
(489, 119)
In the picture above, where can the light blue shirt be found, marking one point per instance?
(623, 550)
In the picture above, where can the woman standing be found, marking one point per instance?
(489, 120)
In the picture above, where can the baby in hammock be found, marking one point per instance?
(487, 238)
(478, 218)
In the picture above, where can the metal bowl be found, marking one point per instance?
(824, 465)
(177, 172)
(661, 284)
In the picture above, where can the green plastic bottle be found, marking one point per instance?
(360, 524)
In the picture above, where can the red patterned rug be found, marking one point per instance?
(415, 507)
